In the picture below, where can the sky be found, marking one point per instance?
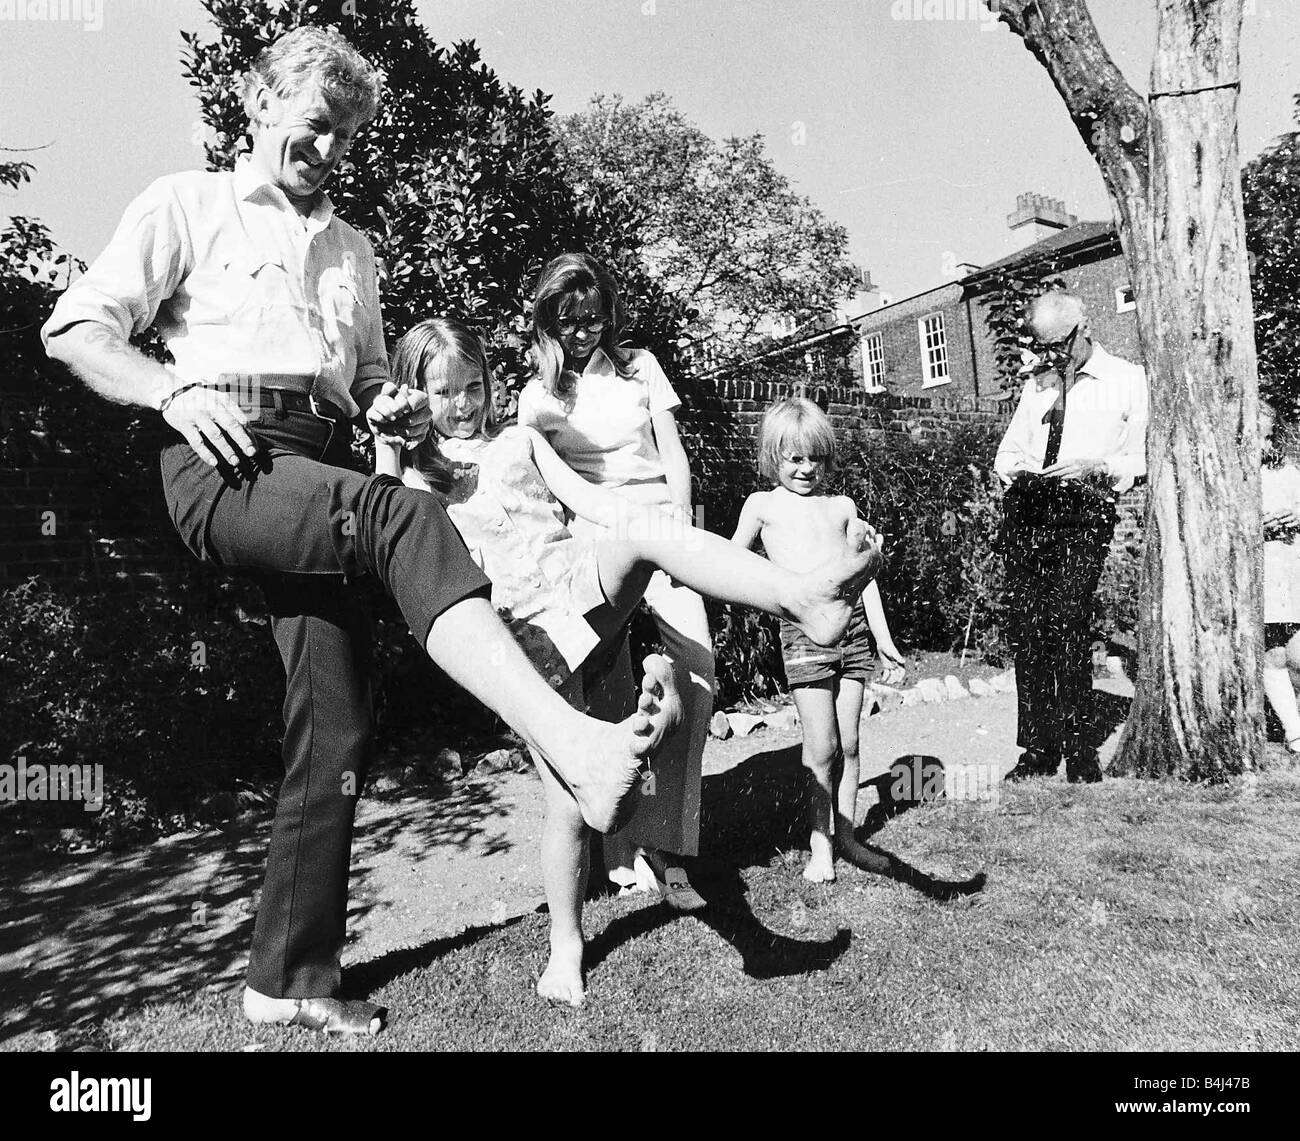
(915, 135)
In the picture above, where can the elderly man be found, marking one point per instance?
(1076, 439)
(269, 304)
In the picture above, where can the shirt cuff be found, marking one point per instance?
(80, 304)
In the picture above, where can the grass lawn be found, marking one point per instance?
(1125, 916)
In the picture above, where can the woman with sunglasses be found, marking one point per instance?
(607, 410)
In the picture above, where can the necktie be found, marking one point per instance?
(1055, 418)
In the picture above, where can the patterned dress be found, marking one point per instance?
(544, 580)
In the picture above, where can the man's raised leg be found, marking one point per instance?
(599, 762)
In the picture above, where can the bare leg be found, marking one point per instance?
(564, 876)
(816, 705)
(820, 602)
(598, 762)
(848, 715)
(1280, 691)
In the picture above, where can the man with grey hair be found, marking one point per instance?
(1077, 438)
(269, 305)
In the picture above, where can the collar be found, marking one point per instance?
(249, 182)
(1100, 364)
(599, 364)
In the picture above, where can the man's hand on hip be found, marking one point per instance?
(212, 423)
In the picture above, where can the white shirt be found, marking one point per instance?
(602, 429)
(237, 281)
(1105, 419)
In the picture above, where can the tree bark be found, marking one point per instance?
(1171, 164)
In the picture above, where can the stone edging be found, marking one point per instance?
(879, 699)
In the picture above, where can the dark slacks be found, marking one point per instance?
(1054, 543)
(309, 529)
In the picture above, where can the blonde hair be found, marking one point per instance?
(564, 282)
(315, 56)
(795, 426)
(424, 349)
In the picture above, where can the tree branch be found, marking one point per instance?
(1110, 116)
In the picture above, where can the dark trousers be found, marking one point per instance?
(309, 529)
(1054, 544)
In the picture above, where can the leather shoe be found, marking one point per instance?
(1032, 764)
(1083, 770)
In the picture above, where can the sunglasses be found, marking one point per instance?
(595, 326)
(1057, 349)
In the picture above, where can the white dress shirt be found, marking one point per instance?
(238, 282)
(1105, 419)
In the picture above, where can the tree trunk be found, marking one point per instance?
(1174, 175)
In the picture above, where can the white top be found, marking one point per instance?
(602, 428)
(544, 580)
(238, 282)
(1105, 419)
(1279, 488)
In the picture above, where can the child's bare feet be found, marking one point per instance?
(562, 979)
(603, 761)
(823, 604)
(821, 860)
(819, 871)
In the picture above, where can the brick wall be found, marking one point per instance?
(720, 419)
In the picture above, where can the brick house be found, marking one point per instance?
(937, 343)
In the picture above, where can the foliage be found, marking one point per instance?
(174, 700)
(1271, 197)
(978, 525)
(723, 229)
(1005, 297)
(457, 183)
(919, 493)
(746, 653)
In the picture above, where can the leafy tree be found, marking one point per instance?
(457, 183)
(1004, 298)
(723, 230)
(30, 271)
(1271, 190)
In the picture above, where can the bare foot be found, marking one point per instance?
(823, 604)
(562, 979)
(821, 858)
(265, 1010)
(603, 762)
(819, 870)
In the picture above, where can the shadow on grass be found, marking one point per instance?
(84, 938)
(757, 809)
(764, 953)
(363, 979)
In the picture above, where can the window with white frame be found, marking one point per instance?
(934, 351)
(873, 362)
(1124, 299)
